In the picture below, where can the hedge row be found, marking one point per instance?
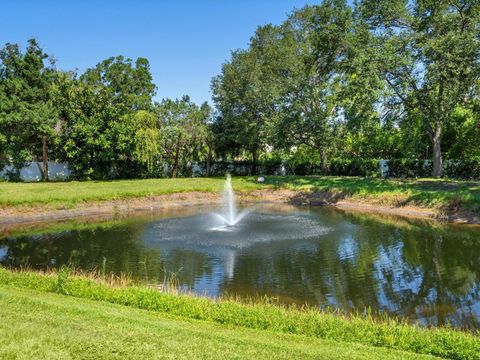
(397, 168)
(468, 169)
(462, 169)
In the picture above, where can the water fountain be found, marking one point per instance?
(231, 216)
(230, 229)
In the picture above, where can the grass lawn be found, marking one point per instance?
(422, 192)
(39, 325)
(74, 192)
(432, 193)
(61, 312)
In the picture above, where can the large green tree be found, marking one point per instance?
(428, 53)
(248, 92)
(129, 84)
(99, 131)
(311, 100)
(183, 132)
(28, 118)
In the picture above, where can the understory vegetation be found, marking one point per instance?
(259, 315)
(388, 79)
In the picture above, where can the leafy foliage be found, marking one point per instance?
(374, 80)
(27, 115)
(360, 81)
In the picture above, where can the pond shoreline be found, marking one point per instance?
(41, 213)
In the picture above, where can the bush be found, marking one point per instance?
(306, 169)
(468, 169)
(355, 167)
(409, 168)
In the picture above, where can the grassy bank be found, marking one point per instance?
(429, 193)
(71, 193)
(308, 323)
(442, 195)
(39, 325)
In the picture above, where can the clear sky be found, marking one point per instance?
(185, 41)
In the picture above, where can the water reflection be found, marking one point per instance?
(425, 272)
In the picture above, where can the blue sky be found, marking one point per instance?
(185, 41)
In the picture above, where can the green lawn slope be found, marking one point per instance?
(50, 326)
(33, 304)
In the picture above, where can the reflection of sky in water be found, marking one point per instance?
(209, 283)
(347, 248)
(390, 263)
(475, 308)
(390, 271)
(223, 268)
(319, 256)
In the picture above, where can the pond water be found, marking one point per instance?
(423, 271)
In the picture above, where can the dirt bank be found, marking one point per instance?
(42, 213)
(344, 202)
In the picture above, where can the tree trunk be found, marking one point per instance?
(255, 161)
(255, 156)
(437, 152)
(324, 162)
(45, 158)
(175, 163)
(209, 159)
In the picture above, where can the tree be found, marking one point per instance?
(28, 118)
(428, 53)
(183, 131)
(129, 85)
(312, 99)
(247, 94)
(147, 138)
(82, 143)
(235, 96)
(99, 110)
(463, 133)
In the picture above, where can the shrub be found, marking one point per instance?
(409, 168)
(468, 169)
(355, 167)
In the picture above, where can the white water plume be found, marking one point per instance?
(231, 216)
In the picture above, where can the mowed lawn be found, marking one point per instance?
(422, 192)
(38, 325)
(74, 192)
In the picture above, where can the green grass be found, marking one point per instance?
(447, 195)
(71, 193)
(431, 193)
(241, 320)
(39, 325)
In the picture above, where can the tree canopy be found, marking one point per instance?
(342, 81)
(380, 79)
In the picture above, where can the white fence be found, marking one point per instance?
(31, 172)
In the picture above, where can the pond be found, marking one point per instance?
(423, 271)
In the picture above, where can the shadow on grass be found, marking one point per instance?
(450, 195)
